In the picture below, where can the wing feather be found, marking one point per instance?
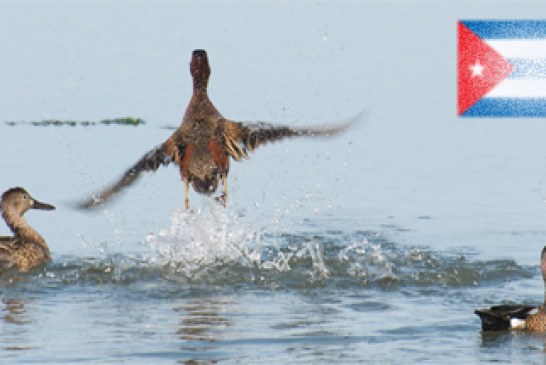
(240, 137)
(163, 154)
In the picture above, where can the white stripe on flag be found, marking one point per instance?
(519, 88)
(521, 48)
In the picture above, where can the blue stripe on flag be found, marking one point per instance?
(507, 108)
(507, 29)
(526, 68)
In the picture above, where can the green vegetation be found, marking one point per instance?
(72, 123)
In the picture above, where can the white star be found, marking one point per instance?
(477, 69)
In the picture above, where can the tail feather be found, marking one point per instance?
(207, 186)
(498, 318)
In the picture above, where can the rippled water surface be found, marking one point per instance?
(211, 288)
(372, 247)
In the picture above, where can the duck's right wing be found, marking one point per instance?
(240, 137)
(163, 154)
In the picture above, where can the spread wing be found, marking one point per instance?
(240, 137)
(161, 155)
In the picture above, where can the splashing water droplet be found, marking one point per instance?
(204, 238)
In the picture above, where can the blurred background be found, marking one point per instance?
(411, 163)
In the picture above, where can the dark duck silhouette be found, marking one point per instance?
(519, 317)
(26, 249)
(205, 141)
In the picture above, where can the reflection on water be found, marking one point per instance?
(16, 326)
(516, 344)
(15, 312)
(202, 324)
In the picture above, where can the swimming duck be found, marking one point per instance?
(26, 249)
(205, 141)
(519, 317)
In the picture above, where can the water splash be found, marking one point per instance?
(217, 246)
(213, 237)
(201, 239)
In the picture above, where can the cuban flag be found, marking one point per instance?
(501, 68)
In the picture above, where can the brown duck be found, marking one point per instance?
(520, 317)
(26, 249)
(205, 141)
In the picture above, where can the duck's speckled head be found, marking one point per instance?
(19, 200)
(200, 69)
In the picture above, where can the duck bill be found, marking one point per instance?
(43, 206)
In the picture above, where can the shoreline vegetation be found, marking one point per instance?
(73, 123)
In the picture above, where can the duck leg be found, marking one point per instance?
(186, 193)
(224, 186)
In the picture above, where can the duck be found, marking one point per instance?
(205, 141)
(516, 317)
(26, 249)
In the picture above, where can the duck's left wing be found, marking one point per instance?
(240, 137)
(163, 154)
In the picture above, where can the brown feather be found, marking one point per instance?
(536, 322)
(161, 155)
(203, 143)
(22, 255)
(27, 248)
(238, 137)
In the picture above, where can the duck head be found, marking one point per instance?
(19, 200)
(200, 69)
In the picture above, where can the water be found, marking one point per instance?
(373, 247)
(211, 288)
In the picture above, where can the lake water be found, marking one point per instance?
(372, 247)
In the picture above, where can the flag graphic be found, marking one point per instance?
(501, 68)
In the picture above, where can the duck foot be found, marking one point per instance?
(222, 199)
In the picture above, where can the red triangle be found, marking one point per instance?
(473, 54)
